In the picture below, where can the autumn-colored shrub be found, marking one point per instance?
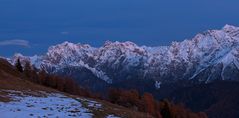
(149, 103)
(64, 84)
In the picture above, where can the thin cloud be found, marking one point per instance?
(15, 42)
(65, 33)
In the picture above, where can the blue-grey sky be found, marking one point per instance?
(31, 26)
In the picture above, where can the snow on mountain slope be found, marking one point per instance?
(112, 52)
(189, 59)
(60, 54)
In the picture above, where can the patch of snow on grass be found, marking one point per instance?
(94, 104)
(53, 106)
(112, 116)
(91, 103)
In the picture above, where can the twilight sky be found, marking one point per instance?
(31, 26)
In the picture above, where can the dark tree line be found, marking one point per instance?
(64, 84)
(146, 103)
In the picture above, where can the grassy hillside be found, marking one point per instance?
(10, 78)
(13, 82)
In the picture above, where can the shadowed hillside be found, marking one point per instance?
(10, 78)
(218, 100)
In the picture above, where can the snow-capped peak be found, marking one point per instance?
(230, 28)
(122, 45)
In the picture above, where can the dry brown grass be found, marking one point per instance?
(113, 109)
(4, 97)
(9, 82)
(109, 108)
(10, 79)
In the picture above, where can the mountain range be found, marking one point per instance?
(211, 55)
(202, 72)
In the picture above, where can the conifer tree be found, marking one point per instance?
(27, 70)
(18, 65)
(34, 75)
(149, 103)
(42, 76)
